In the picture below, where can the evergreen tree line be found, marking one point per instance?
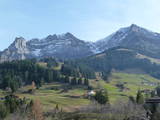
(18, 73)
(73, 68)
(51, 62)
(120, 60)
(75, 81)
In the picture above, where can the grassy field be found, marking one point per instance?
(153, 60)
(50, 97)
(132, 83)
(74, 98)
(43, 64)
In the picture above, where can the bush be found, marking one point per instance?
(102, 97)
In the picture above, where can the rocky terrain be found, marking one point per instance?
(67, 46)
(133, 37)
(64, 46)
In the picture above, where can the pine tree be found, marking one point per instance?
(26, 75)
(80, 81)
(86, 82)
(140, 97)
(13, 86)
(66, 79)
(50, 76)
(6, 81)
(106, 96)
(74, 81)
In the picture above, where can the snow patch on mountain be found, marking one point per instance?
(94, 48)
(133, 37)
(67, 46)
(37, 52)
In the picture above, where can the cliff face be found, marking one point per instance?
(65, 46)
(16, 51)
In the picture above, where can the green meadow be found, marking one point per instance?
(53, 94)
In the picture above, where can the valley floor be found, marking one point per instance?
(120, 87)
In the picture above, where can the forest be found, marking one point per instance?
(16, 75)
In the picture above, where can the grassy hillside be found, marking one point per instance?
(121, 59)
(52, 94)
(132, 83)
(153, 60)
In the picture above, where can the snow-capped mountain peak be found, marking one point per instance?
(134, 37)
(67, 46)
(64, 46)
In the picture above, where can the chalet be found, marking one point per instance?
(91, 93)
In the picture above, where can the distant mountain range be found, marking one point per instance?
(64, 46)
(67, 46)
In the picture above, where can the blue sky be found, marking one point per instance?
(87, 19)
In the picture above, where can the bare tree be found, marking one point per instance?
(36, 111)
(121, 110)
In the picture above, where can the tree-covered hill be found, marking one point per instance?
(121, 58)
(16, 74)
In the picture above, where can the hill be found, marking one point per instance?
(121, 58)
(123, 85)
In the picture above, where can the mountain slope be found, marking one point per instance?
(67, 46)
(134, 37)
(16, 51)
(120, 58)
(64, 46)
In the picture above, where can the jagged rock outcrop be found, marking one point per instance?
(16, 51)
(65, 46)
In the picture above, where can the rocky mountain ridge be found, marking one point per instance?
(67, 46)
(134, 37)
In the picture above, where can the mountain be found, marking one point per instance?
(16, 51)
(121, 59)
(65, 46)
(134, 37)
